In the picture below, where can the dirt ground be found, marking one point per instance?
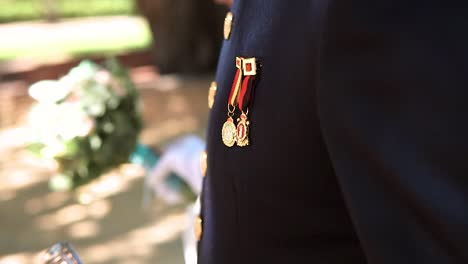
(109, 225)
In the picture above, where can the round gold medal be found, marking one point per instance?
(229, 133)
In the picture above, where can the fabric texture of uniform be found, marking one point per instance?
(358, 136)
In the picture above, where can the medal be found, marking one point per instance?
(242, 131)
(228, 132)
(249, 67)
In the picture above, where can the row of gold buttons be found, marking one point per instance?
(228, 21)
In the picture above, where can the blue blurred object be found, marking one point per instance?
(143, 155)
(146, 157)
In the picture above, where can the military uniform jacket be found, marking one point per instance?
(359, 136)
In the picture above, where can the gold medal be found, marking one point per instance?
(249, 68)
(240, 95)
(229, 132)
(242, 131)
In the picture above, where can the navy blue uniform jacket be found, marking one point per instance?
(359, 136)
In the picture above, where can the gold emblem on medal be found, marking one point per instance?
(242, 131)
(229, 133)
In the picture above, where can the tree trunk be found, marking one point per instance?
(187, 34)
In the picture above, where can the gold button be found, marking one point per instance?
(212, 93)
(203, 162)
(198, 228)
(228, 25)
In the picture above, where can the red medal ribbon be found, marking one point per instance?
(249, 66)
(236, 84)
(235, 88)
(246, 93)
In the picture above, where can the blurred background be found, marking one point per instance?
(92, 94)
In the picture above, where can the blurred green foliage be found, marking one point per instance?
(18, 10)
(76, 41)
(87, 121)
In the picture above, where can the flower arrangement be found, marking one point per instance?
(87, 122)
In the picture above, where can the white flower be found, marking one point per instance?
(53, 149)
(42, 122)
(73, 121)
(103, 77)
(49, 91)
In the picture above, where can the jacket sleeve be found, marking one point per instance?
(394, 114)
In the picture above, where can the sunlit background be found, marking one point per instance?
(170, 55)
